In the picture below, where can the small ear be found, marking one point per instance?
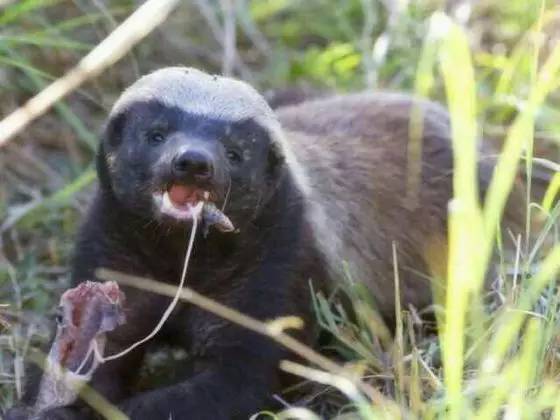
(113, 132)
(275, 158)
(102, 167)
(111, 138)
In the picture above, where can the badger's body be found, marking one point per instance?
(309, 188)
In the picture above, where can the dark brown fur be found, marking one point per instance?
(355, 149)
(332, 187)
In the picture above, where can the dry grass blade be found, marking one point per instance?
(111, 49)
(339, 382)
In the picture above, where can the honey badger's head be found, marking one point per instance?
(178, 136)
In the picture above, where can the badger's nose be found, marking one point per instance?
(192, 164)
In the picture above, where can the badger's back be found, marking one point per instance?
(360, 155)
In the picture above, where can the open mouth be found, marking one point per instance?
(182, 202)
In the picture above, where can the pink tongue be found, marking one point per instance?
(180, 195)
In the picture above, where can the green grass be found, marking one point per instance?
(496, 354)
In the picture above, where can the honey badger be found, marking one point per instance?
(307, 187)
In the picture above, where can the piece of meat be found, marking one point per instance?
(86, 313)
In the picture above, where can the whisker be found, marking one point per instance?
(258, 204)
(227, 195)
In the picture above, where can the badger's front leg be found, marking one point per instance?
(236, 371)
(233, 384)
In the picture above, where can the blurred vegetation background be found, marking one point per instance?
(329, 45)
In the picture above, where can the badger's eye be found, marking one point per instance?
(233, 156)
(156, 137)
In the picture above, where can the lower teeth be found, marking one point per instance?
(204, 209)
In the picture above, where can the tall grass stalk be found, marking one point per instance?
(465, 221)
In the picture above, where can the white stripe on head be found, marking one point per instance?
(198, 93)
